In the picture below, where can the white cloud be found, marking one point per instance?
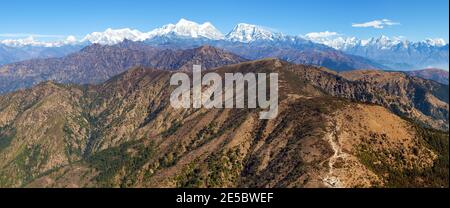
(377, 24)
(71, 39)
(325, 34)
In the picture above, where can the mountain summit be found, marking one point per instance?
(186, 28)
(396, 53)
(248, 33)
(111, 37)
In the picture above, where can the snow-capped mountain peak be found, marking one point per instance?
(332, 39)
(21, 42)
(242, 32)
(186, 28)
(435, 42)
(111, 37)
(246, 33)
(395, 52)
(383, 42)
(31, 41)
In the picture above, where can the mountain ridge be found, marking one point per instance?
(437, 75)
(97, 63)
(395, 53)
(391, 54)
(123, 133)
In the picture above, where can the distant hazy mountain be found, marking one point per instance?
(395, 53)
(246, 40)
(10, 54)
(97, 63)
(385, 53)
(295, 50)
(113, 51)
(437, 75)
(6, 55)
(256, 42)
(382, 52)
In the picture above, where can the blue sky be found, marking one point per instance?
(413, 19)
